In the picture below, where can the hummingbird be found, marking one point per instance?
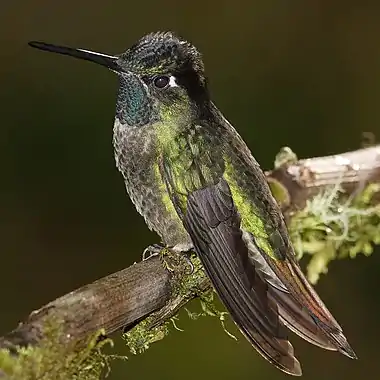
(197, 185)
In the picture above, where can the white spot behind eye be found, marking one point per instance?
(172, 81)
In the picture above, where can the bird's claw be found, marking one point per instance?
(186, 251)
(160, 250)
(187, 257)
(151, 251)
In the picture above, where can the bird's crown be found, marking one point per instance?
(162, 52)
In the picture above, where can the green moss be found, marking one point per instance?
(209, 308)
(186, 284)
(187, 275)
(143, 335)
(334, 225)
(54, 360)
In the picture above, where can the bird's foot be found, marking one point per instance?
(187, 256)
(186, 251)
(152, 250)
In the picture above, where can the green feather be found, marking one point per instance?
(251, 221)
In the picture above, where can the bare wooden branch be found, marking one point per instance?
(124, 298)
(304, 178)
(118, 300)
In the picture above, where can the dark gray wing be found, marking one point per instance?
(292, 313)
(213, 223)
(298, 319)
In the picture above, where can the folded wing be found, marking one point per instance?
(213, 223)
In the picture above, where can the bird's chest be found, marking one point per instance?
(136, 158)
(135, 153)
(191, 161)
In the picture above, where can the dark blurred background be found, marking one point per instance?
(301, 73)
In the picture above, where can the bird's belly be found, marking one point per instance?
(149, 195)
(136, 160)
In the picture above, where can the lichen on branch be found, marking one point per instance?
(334, 225)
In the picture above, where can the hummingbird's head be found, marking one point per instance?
(161, 77)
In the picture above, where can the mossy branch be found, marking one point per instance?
(332, 208)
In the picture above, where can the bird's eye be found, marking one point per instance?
(161, 82)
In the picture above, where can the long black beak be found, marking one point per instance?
(108, 61)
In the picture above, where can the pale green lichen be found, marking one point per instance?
(53, 360)
(334, 225)
(285, 157)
